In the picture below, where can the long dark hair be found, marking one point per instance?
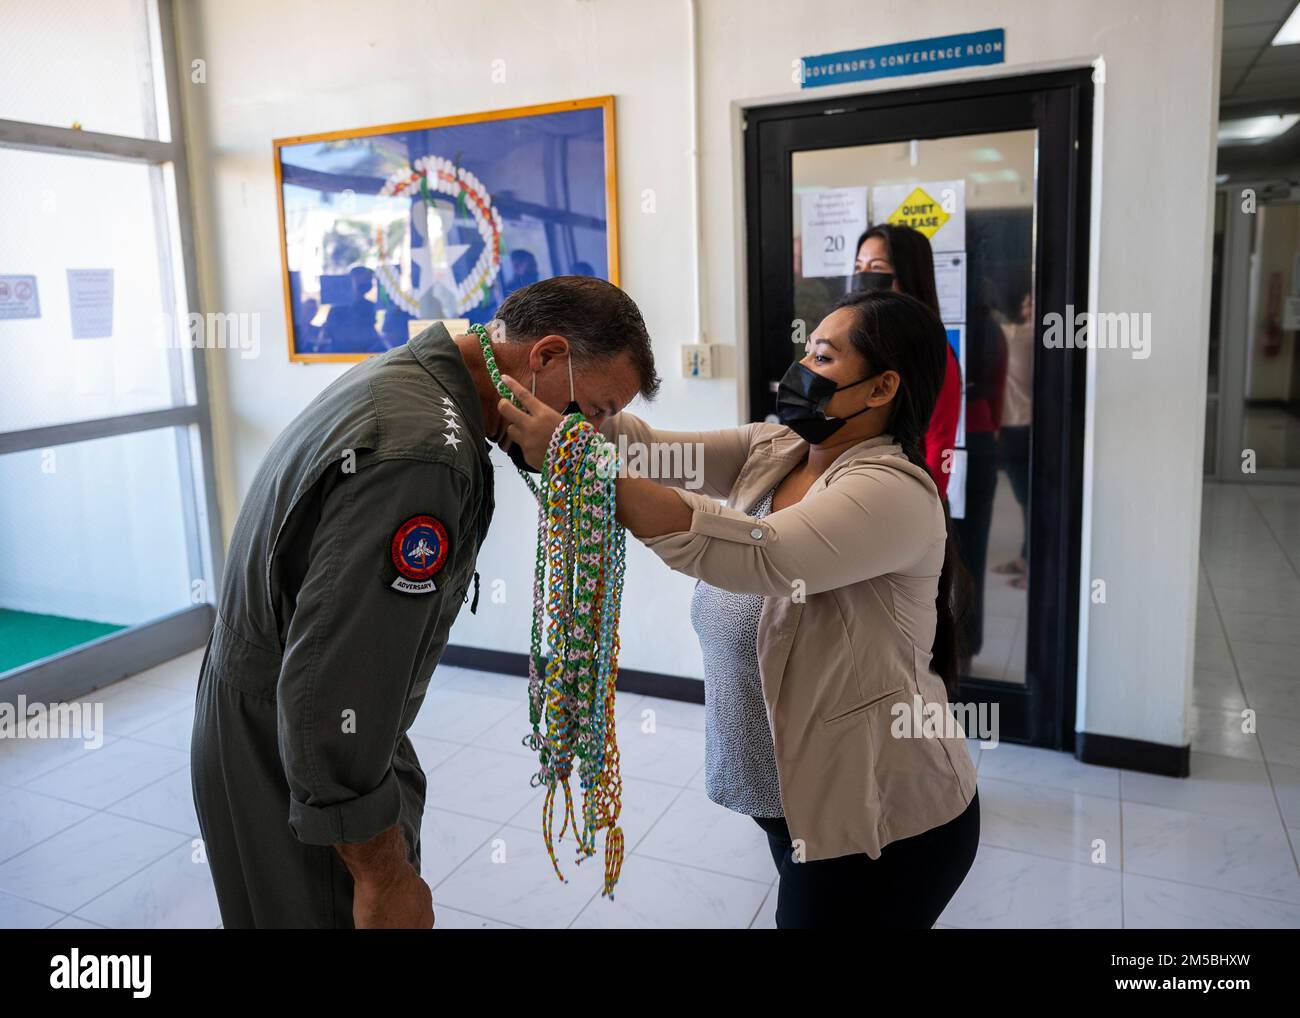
(897, 332)
(913, 261)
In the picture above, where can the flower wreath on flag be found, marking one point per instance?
(430, 174)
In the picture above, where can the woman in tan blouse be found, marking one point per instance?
(856, 641)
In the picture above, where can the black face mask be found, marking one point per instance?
(870, 281)
(516, 452)
(801, 400)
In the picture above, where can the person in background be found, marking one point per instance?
(350, 328)
(899, 258)
(523, 269)
(308, 335)
(395, 330)
(1013, 440)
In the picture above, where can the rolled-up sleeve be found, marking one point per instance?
(355, 647)
(872, 520)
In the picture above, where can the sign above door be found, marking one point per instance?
(919, 56)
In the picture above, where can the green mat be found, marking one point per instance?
(27, 637)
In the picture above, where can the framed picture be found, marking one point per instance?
(439, 219)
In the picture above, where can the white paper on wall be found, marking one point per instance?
(90, 301)
(950, 282)
(832, 219)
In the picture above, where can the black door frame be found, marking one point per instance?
(1059, 106)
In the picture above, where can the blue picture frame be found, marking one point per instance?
(439, 219)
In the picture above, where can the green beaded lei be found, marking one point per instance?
(577, 589)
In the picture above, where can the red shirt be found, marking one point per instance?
(984, 413)
(941, 435)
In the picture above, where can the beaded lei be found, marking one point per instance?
(578, 586)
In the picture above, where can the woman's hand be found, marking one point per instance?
(530, 428)
(643, 506)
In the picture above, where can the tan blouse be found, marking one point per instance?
(849, 576)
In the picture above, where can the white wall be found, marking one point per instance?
(297, 67)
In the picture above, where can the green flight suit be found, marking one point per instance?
(350, 559)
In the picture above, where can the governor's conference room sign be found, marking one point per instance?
(920, 56)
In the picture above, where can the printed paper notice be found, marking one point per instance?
(90, 300)
(950, 282)
(833, 218)
(18, 297)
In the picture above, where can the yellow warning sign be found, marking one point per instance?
(920, 212)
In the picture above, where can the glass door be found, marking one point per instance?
(1254, 377)
(109, 549)
(973, 197)
(992, 174)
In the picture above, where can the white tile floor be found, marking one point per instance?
(107, 837)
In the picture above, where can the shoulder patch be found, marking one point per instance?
(419, 550)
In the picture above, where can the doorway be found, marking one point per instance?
(1252, 432)
(995, 173)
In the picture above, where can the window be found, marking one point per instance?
(109, 549)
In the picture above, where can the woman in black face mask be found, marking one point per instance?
(825, 613)
(899, 258)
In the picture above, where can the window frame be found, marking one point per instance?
(78, 670)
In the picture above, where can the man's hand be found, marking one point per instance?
(404, 902)
(387, 891)
(530, 428)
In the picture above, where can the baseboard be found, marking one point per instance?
(1132, 754)
(630, 680)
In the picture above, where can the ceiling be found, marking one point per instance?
(1256, 78)
(1253, 70)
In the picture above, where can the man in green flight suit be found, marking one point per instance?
(350, 559)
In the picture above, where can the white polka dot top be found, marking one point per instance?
(739, 759)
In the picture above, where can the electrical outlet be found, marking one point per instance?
(697, 360)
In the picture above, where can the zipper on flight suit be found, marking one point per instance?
(473, 608)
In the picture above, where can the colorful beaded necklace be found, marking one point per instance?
(578, 588)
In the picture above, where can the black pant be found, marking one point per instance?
(973, 530)
(1013, 442)
(907, 888)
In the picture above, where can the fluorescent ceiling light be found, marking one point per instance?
(1289, 33)
(1256, 130)
(1005, 176)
